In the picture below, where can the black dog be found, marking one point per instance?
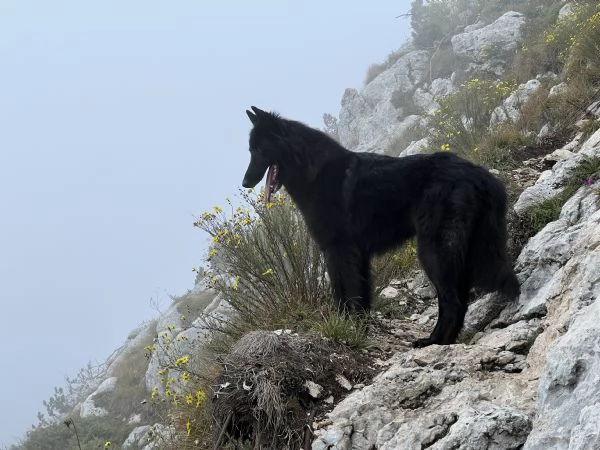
(359, 204)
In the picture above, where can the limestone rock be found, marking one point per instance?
(486, 47)
(529, 379)
(88, 407)
(510, 110)
(551, 181)
(368, 121)
(138, 437)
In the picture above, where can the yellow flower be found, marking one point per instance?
(189, 398)
(270, 205)
(107, 444)
(185, 377)
(154, 392)
(445, 147)
(215, 239)
(212, 252)
(217, 209)
(188, 427)
(182, 360)
(268, 272)
(200, 396)
(168, 392)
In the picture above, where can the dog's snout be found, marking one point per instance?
(246, 183)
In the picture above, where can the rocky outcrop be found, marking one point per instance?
(377, 116)
(510, 110)
(530, 379)
(485, 49)
(551, 182)
(368, 120)
(88, 407)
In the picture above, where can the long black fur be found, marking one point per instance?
(360, 204)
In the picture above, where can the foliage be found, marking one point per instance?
(264, 261)
(347, 330)
(77, 388)
(435, 21)
(586, 173)
(93, 432)
(464, 115)
(179, 399)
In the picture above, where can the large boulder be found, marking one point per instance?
(368, 120)
(486, 48)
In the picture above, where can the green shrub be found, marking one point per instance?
(464, 115)
(93, 432)
(264, 261)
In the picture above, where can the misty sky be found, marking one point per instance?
(120, 121)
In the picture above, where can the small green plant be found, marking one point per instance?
(347, 330)
(544, 213)
(586, 173)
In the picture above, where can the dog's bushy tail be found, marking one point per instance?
(493, 267)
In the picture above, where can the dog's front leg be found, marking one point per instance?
(349, 272)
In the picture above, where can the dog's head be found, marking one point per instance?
(264, 150)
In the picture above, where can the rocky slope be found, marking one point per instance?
(525, 375)
(530, 380)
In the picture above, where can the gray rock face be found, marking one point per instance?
(551, 181)
(88, 407)
(368, 121)
(529, 380)
(486, 47)
(438, 397)
(569, 388)
(415, 147)
(138, 437)
(510, 111)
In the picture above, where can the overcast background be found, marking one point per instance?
(119, 121)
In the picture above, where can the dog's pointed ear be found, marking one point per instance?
(253, 117)
(257, 111)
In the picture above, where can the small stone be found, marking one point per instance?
(343, 381)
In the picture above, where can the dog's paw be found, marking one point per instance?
(424, 342)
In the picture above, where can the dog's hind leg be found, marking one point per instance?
(349, 272)
(444, 268)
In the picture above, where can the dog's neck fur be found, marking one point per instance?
(303, 155)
